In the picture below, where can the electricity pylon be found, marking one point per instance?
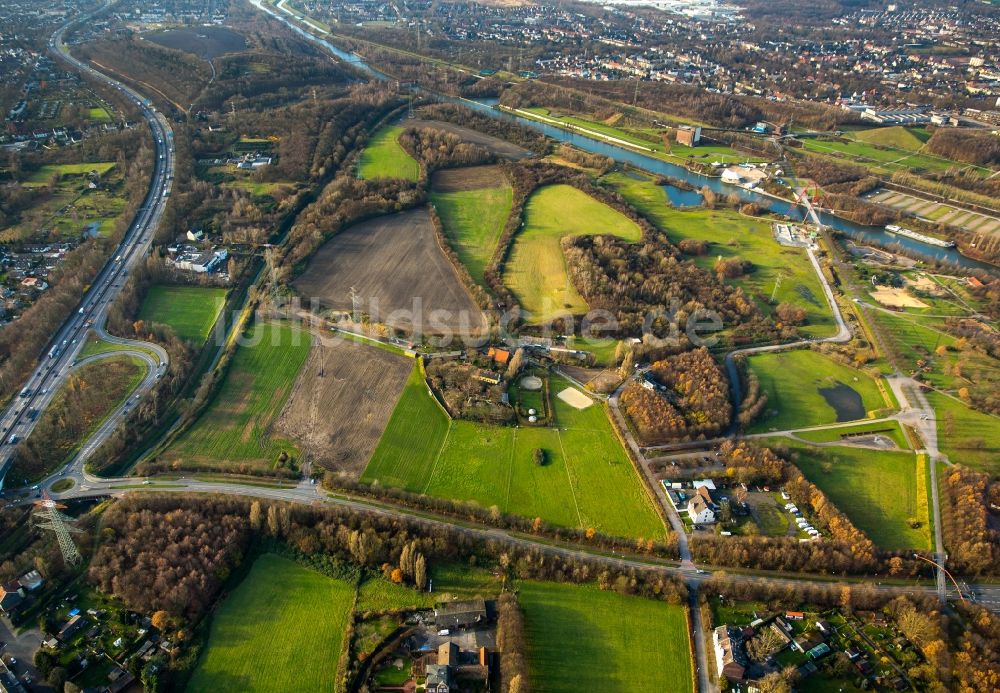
(47, 516)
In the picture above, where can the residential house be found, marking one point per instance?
(31, 581)
(71, 627)
(701, 508)
(488, 377)
(499, 356)
(11, 596)
(730, 658)
(438, 679)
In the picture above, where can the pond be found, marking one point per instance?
(683, 198)
(846, 401)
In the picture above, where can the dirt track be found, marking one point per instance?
(341, 403)
(502, 148)
(399, 275)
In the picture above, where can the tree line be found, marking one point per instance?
(173, 552)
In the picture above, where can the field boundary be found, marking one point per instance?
(637, 467)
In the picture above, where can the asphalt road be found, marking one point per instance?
(19, 418)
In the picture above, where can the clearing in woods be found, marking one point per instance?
(384, 157)
(620, 642)
(305, 612)
(341, 402)
(586, 481)
(473, 204)
(234, 433)
(190, 310)
(536, 268)
(398, 272)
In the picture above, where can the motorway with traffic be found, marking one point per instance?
(60, 359)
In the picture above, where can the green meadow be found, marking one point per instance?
(587, 480)
(190, 310)
(536, 269)
(384, 157)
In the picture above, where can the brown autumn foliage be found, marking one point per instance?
(694, 404)
(972, 539)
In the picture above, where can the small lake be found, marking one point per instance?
(683, 198)
(846, 401)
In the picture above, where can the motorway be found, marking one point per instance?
(19, 418)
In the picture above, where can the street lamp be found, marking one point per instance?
(950, 576)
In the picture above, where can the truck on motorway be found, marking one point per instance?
(54, 352)
(25, 392)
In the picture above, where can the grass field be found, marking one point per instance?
(281, 629)
(582, 638)
(965, 435)
(235, 429)
(536, 269)
(876, 489)
(473, 221)
(99, 114)
(731, 234)
(792, 380)
(587, 481)
(190, 310)
(44, 173)
(910, 139)
(385, 158)
(884, 157)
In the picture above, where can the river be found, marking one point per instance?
(859, 232)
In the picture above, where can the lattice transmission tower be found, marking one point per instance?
(47, 516)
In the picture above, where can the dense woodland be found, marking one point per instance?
(637, 282)
(692, 403)
(436, 149)
(971, 146)
(971, 536)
